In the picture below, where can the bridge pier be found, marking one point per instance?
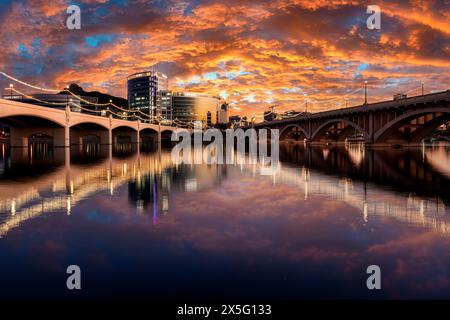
(67, 136)
(110, 137)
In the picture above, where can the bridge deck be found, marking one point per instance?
(432, 97)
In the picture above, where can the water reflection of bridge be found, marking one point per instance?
(151, 177)
(403, 170)
(399, 184)
(64, 187)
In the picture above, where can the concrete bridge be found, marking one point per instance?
(63, 128)
(404, 121)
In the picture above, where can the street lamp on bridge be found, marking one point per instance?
(365, 92)
(422, 88)
(67, 95)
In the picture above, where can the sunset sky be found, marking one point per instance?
(252, 53)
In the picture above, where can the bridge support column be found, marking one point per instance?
(67, 136)
(67, 129)
(110, 137)
(138, 134)
(110, 133)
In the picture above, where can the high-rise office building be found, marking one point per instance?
(143, 88)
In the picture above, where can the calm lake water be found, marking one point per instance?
(139, 226)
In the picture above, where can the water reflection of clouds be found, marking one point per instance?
(318, 224)
(316, 233)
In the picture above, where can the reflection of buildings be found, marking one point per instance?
(154, 189)
(150, 189)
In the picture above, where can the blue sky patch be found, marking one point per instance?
(23, 51)
(99, 39)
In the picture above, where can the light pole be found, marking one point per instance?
(346, 103)
(67, 95)
(306, 106)
(422, 88)
(365, 92)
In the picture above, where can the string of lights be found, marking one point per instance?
(39, 100)
(28, 84)
(156, 118)
(339, 98)
(72, 104)
(85, 109)
(414, 89)
(69, 92)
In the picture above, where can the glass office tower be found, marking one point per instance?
(143, 88)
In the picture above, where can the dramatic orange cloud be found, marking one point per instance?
(255, 54)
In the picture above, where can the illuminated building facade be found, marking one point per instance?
(188, 107)
(143, 89)
(165, 102)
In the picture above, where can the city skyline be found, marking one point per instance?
(211, 158)
(253, 54)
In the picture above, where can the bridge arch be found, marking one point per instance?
(21, 116)
(24, 129)
(148, 136)
(89, 124)
(148, 130)
(124, 134)
(124, 125)
(293, 130)
(439, 116)
(89, 132)
(341, 132)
